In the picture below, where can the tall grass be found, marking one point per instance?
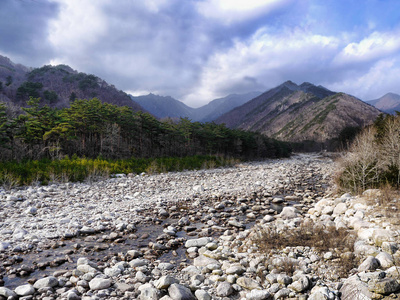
(74, 169)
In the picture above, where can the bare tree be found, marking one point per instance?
(361, 166)
(390, 146)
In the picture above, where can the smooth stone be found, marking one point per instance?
(340, 208)
(282, 294)
(180, 292)
(268, 218)
(202, 261)
(138, 262)
(385, 260)
(235, 270)
(300, 285)
(148, 292)
(50, 281)
(202, 295)
(5, 292)
(164, 282)
(86, 269)
(258, 295)
(99, 283)
(165, 266)
(236, 224)
(24, 290)
(224, 289)
(200, 242)
(288, 212)
(112, 272)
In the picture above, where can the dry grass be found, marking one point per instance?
(320, 239)
(386, 201)
(307, 234)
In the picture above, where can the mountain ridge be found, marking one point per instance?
(299, 113)
(389, 103)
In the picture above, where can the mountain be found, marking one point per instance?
(218, 107)
(55, 85)
(389, 103)
(164, 106)
(303, 112)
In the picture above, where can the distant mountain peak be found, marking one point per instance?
(389, 103)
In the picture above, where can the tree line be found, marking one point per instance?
(91, 128)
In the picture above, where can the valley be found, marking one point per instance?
(194, 235)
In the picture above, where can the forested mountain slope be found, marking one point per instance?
(55, 85)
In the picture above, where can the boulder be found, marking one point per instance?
(180, 292)
(24, 290)
(369, 264)
(6, 293)
(248, 283)
(46, 282)
(354, 288)
(288, 212)
(385, 286)
(224, 289)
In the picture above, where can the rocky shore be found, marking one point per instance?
(199, 235)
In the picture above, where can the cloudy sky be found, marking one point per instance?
(199, 50)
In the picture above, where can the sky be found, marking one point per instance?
(200, 50)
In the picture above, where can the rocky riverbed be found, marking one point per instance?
(199, 235)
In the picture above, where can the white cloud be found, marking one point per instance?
(231, 11)
(79, 25)
(375, 46)
(381, 78)
(268, 59)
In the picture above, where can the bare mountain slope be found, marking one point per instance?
(298, 113)
(389, 103)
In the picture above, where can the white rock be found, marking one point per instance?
(5, 292)
(200, 242)
(288, 212)
(385, 260)
(49, 281)
(24, 290)
(99, 283)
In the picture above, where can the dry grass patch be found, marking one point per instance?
(386, 201)
(320, 239)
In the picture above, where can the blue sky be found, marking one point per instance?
(199, 50)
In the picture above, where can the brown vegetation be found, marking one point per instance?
(320, 239)
(373, 159)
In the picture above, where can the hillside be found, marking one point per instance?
(389, 103)
(303, 112)
(56, 86)
(218, 107)
(164, 106)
